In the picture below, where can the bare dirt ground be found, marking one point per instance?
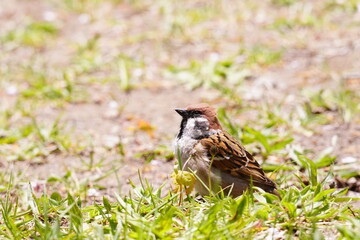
(110, 117)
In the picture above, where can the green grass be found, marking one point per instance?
(148, 213)
(34, 34)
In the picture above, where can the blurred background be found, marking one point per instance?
(88, 87)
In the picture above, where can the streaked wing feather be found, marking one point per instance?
(230, 156)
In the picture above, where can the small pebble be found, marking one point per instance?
(348, 160)
(49, 16)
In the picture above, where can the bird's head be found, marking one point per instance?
(198, 121)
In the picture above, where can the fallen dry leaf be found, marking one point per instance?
(146, 127)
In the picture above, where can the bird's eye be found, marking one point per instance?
(194, 114)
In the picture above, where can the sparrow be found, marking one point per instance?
(218, 160)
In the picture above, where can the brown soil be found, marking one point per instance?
(154, 101)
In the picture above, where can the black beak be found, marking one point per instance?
(181, 111)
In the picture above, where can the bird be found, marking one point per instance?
(218, 160)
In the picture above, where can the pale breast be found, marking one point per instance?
(194, 159)
(185, 147)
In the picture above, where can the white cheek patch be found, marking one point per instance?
(190, 126)
(201, 119)
(190, 123)
(202, 123)
(196, 127)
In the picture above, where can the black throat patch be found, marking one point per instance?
(182, 127)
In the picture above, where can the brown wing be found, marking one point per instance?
(229, 156)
